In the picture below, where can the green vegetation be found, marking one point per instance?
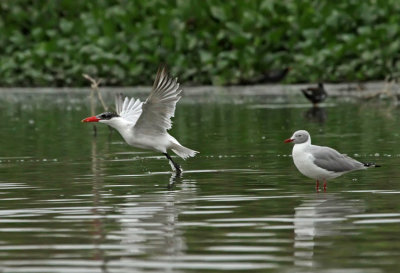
(52, 42)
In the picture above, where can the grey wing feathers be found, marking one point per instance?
(129, 109)
(160, 105)
(331, 160)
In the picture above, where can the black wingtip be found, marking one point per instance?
(370, 164)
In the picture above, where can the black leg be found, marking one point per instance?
(175, 166)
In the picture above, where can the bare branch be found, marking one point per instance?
(95, 86)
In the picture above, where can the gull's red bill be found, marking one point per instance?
(288, 140)
(91, 119)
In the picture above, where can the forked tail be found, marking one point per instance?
(182, 151)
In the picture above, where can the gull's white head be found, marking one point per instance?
(299, 137)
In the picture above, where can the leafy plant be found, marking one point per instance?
(52, 42)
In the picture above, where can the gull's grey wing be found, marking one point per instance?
(160, 105)
(331, 160)
(129, 109)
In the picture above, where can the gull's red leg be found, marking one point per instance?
(324, 185)
(317, 185)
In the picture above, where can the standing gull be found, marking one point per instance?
(144, 124)
(320, 162)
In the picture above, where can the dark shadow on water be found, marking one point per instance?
(316, 114)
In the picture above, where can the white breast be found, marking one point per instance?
(155, 142)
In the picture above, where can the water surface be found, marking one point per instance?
(72, 202)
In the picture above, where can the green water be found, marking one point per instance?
(71, 202)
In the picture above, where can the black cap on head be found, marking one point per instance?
(107, 115)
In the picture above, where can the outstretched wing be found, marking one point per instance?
(160, 105)
(331, 160)
(129, 109)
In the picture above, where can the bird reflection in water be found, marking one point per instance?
(150, 223)
(175, 178)
(316, 114)
(319, 216)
